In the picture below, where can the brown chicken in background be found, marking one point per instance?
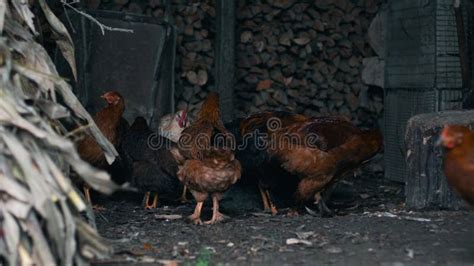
(110, 122)
(458, 142)
(320, 151)
(206, 168)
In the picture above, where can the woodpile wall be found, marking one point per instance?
(305, 56)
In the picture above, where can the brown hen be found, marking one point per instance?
(108, 120)
(320, 151)
(212, 175)
(458, 142)
(206, 167)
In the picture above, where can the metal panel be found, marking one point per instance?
(400, 106)
(448, 67)
(415, 102)
(140, 65)
(410, 44)
(423, 72)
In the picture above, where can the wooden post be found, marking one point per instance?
(426, 186)
(225, 56)
(463, 55)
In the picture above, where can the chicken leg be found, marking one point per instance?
(216, 215)
(268, 204)
(183, 198)
(87, 194)
(324, 211)
(273, 208)
(196, 216)
(154, 205)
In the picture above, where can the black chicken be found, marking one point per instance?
(154, 167)
(252, 135)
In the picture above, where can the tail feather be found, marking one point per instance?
(359, 151)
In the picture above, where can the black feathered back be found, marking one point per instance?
(154, 167)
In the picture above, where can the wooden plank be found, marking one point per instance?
(225, 56)
(426, 186)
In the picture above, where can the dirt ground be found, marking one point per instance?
(370, 228)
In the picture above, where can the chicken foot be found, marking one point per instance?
(273, 208)
(216, 215)
(154, 205)
(87, 194)
(324, 211)
(268, 204)
(195, 218)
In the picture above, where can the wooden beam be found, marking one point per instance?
(225, 56)
(463, 52)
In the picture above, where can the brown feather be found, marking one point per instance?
(206, 169)
(337, 148)
(197, 138)
(459, 160)
(107, 121)
(211, 176)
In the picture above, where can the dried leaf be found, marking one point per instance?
(295, 241)
(23, 9)
(13, 27)
(3, 7)
(63, 39)
(14, 189)
(52, 109)
(168, 216)
(40, 209)
(70, 232)
(41, 246)
(22, 156)
(26, 259)
(17, 208)
(56, 228)
(12, 236)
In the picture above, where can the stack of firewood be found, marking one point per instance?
(302, 55)
(306, 56)
(195, 53)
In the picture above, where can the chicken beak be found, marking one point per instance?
(439, 141)
(182, 120)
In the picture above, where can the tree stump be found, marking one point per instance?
(426, 186)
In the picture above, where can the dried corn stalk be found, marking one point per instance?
(40, 220)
